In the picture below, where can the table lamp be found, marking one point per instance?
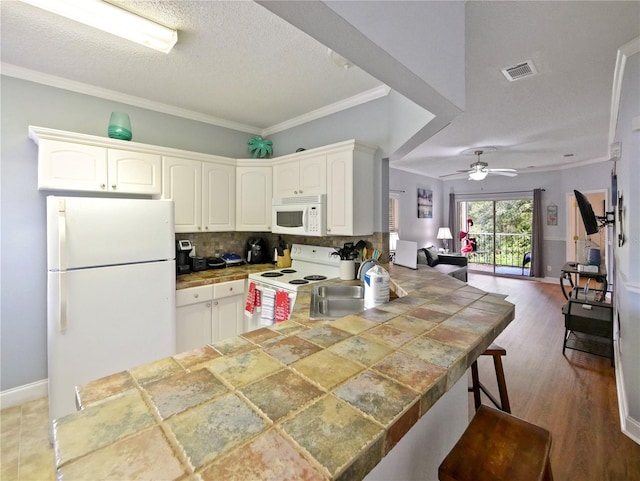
(444, 233)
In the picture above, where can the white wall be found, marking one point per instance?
(412, 28)
(627, 257)
(422, 231)
(23, 328)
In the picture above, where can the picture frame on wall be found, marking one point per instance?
(425, 204)
(552, 214)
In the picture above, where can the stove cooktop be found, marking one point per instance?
(289, 279)
(309, 264)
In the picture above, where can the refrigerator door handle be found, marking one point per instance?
(62, 302)
(62, 236)
(62, 259)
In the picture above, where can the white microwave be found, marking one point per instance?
(302, 215)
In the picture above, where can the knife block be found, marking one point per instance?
(284, 260)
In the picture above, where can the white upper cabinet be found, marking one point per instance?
(182, 183)
(218, 197)
(350, 190)
(78, 162)
(89, 168)
(203, 194)
(306, 176)
(68, 166)
(212, 193)
(133, 172)
(253, 197)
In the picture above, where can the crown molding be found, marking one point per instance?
(333, 108)
(15, 71)
(11, 70)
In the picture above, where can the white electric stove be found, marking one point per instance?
(309, 264)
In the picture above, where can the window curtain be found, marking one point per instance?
(537, 262)
(452, 223)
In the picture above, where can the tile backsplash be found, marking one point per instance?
(209, 244)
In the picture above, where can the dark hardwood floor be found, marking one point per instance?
(573, 396)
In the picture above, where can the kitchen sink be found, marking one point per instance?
(339, 292)
(332, 302)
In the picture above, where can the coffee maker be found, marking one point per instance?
(183, 248)
(257, 251)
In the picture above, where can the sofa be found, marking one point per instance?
(450, 264)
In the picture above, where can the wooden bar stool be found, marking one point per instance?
(496, 352)
(497, 446)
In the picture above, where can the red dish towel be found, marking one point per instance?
(282, 306)
(252, 293)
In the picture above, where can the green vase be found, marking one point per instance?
(120, 126)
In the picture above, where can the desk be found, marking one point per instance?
(571, 268)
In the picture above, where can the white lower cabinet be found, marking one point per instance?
(207, 314)
(193, 317)
(227, 318)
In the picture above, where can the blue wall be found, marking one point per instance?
(23, 327)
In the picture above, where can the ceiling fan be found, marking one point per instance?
(479, 170)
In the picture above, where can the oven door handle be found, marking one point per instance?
(266, 289)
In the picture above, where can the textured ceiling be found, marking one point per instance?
(534, 121)
(238, 62)
(233, 60)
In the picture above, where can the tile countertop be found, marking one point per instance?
(301, 400)
(213, 276)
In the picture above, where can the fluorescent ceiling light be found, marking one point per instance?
(114, 20)
(478, 175)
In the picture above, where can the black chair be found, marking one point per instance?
(526, 259)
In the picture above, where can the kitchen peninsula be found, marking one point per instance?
(300, 400)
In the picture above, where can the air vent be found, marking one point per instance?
(526, 69)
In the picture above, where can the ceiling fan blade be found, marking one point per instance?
(459, 172)
(506, 173)
(503, 170)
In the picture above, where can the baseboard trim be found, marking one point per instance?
(548, 280)
(628, 425)
(22, 394)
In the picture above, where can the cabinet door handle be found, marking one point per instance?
(301, 191)
(102, 186)
(208, 304)
(196, 295)
(113, 186)
(295, 191)
(215, 303)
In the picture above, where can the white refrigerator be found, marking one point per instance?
(110, 290)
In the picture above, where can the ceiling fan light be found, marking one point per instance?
(113, 20)
(477, 175)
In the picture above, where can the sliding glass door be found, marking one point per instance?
(497, 234)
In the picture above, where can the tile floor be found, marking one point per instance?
(25, 451)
